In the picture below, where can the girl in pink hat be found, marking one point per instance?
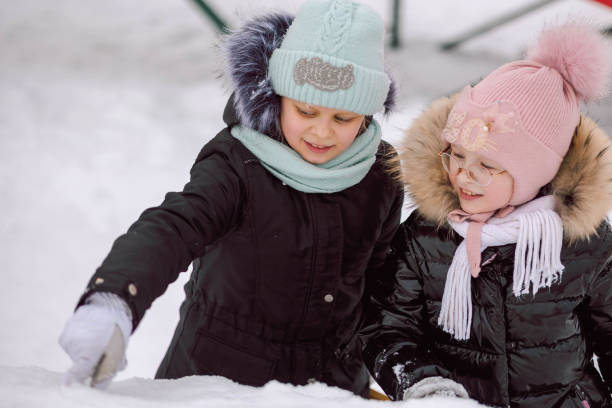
(499, 285)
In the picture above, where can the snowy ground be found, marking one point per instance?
(37, 387)
(104, 106)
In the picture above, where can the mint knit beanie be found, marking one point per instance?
(332, 56)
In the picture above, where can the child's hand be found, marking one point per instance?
(436, 387)
(95, 338)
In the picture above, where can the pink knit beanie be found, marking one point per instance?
(523, 115)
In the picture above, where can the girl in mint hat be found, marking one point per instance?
(288, 210)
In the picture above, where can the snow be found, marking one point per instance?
(104, 107)
(37, 387)
(398, 370)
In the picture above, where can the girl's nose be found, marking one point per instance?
(464, 176)
(322, 129)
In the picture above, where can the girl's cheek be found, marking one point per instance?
(452, 180)
(502, 188)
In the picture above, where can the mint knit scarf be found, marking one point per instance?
(340, 173)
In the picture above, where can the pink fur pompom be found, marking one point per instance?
(579, 52)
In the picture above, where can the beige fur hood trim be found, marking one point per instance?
(582, 188)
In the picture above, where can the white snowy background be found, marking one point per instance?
(104, 105)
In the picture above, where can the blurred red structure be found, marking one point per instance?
(606, 2)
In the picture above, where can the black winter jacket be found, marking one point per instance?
(278, 274)
(530, 351)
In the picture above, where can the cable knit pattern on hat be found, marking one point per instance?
(335, 28)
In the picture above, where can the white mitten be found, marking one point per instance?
(95, 337)
(436, 387)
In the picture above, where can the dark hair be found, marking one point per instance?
(366, 123)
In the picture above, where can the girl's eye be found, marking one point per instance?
(341, 119)
(488, 167)
(305, 113)
(457, 155)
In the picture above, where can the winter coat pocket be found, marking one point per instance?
(214, 357)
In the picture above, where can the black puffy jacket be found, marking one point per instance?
(278, 277)
(527, 351)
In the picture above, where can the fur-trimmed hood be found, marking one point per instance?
(582, 187)
(247, 52)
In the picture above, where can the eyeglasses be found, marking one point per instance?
(479, 174)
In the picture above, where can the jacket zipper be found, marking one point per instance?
(582, 396)
(313, 260)
(502, 294)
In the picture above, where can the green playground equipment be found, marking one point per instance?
(212, 15)
(222, 26)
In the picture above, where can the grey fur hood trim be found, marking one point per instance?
(582, 187)
(246, 53)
